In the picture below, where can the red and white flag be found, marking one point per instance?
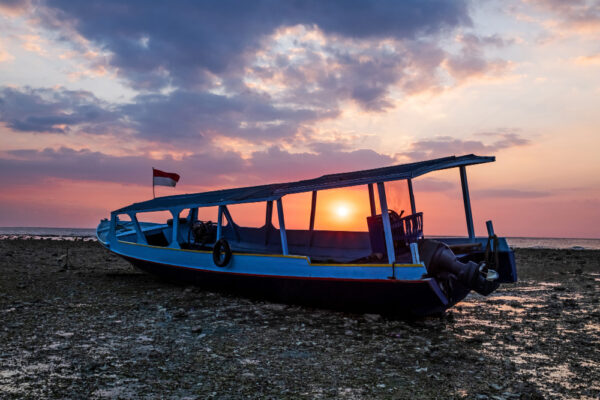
(162, 178)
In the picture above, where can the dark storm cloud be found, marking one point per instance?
(154, 43)
(54, 110)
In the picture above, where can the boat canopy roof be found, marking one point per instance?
(277, 190)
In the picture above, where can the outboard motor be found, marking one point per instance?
(441, 262)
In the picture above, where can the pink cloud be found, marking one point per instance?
(575, 15)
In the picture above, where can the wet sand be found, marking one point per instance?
(97, 328)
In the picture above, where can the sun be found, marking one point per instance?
(342, 211)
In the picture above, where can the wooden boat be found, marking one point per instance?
(392, 268)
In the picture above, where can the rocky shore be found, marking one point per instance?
(78, 322)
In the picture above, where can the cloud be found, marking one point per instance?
(209, 168)
(577, 15)
(14, 7)
(5, 56)
(591, 60)
(54, 111)
(511, 193)
(471, 60)
(183, 44)
(210, 47)
(432, 185)
(175, 116)
(29, 166)
(259, 71)
(321, 71)
(185, 114)
(281, 165)
(441, 146)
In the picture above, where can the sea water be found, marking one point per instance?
(90, 234)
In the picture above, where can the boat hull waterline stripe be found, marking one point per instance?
(418, 297)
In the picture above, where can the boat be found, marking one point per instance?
(390, 268)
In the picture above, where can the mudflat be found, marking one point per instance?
(88, 325)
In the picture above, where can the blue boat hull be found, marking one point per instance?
(391, 296)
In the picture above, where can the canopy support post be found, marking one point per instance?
(268, 220)
(387, 227)
(372, 200)
(112, 231)
(282, 233)
(220, 223)
(174, 237)
(138, 230)
(193, 215)
(467, 201)
(313, 210)
(231, 223)
(413, 208)
(313, 206)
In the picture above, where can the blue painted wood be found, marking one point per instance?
(220, 223)
(230, 222)
(490, 228)
(387, 226)
(282, 233)
(174, 236)
(414, 297)
(261, 264)
(284, 274)
(138, 230)
(113, 227)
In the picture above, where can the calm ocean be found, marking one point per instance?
(90, 234)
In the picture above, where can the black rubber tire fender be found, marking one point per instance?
(221, 247)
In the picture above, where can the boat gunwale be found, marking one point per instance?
(276, 256)
(295, 277)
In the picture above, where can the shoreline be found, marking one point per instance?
(93, 238)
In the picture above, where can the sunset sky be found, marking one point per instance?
(93, 94)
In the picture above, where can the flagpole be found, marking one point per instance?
(153, 195)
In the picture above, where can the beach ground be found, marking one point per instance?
(90, 326)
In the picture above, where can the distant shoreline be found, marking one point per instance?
(83, 234)
(41, 230)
